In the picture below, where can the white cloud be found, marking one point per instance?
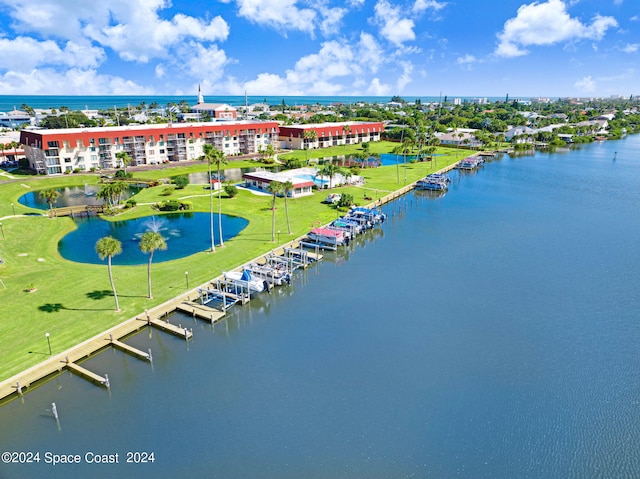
(545, 24)
(392, 25)
(331, 19)
(282, 15)
(422, 5)
(466, 59)
(631, 47)
(25, 53)
(406, 77)
(355, 3)
(377, 88)
(50, 82)
(132, 28)
(586, 85)
(370, 55)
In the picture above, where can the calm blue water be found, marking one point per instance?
(185, 234)
(489, 333)
(9, 102)
(71, 196)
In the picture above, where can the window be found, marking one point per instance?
(52, 144)
(162, 152)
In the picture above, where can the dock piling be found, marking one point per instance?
(54, 410)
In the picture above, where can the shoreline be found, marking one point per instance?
(34, 375)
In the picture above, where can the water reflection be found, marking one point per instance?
(185, 233)
(72, 196)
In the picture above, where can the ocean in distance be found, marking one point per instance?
(10, 102)
(489, 333)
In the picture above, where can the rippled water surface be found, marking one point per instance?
(488, 333)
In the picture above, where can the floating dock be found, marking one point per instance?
(85, 373)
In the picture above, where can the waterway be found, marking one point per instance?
(488, 333)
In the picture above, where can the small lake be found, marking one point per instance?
(185, 234)
(71, 196)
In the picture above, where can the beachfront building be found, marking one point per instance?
(56, 151)
(323, 135)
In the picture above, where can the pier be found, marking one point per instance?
(85, 373)
(290, 256)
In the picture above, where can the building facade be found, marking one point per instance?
(323, 135)
(58, 151)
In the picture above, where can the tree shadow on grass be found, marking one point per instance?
(101, 294)
(57, 307)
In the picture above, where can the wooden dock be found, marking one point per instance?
(171, 328)
(291, 252)
(201, 311)
(85, 373)
(131, 350)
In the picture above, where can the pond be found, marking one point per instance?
(72, 196)
(185, 234)
(229, 174)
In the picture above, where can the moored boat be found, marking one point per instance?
(245, 279)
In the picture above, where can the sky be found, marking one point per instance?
(552, 48)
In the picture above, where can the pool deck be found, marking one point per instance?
(16, 385)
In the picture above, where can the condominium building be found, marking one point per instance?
(58, 151)
(323, 135)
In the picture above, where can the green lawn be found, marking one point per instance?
(73, 301)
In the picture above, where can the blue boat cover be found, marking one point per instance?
(246, 275)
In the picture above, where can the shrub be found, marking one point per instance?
(131, 202)
(181, 181)
(230, 190)
(187, 205)
(167, 191)
(345, 201)
(171, 205)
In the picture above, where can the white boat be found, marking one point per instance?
(275, 274)
(328, 236)
(431, 184)
(246, 280)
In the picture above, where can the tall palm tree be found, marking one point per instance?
(274, 188)
(51, 196)
(125, 159)
(330, 170)
(14, 145)
(309, 136)
(347, 132)
(218, 158)
(108, 247)
(208, 151)
(287, 188)
(149, 243)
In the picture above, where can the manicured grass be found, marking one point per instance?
(73, 301)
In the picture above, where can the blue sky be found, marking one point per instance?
(411, 48)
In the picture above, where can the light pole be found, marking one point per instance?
(14, 209)
(186, 277)
(48, 342)
(278, 236)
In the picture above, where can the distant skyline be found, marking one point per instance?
(552, 48)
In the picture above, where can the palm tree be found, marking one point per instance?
(309, 136)
(125, 159)
(2, 148)
(50, 195)
(347, 132)
(208, 151)
(274, 188)
(14, 145)
(216, 157)
(287, 188)
(330, 170)
(108, 247)
(149, 243)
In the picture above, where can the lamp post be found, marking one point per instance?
(48, 342)
(14, 209)
(186, 277)
(278, 236)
